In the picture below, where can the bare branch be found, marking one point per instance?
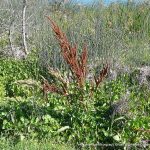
(24, 27)
(10, 38)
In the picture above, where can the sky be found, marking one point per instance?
(106, 1)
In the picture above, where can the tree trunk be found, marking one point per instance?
(24, 27)
(10, 38)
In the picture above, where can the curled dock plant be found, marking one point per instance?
(77, 63)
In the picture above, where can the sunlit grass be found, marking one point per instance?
(32, 145)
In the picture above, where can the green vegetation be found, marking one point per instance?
(32, 145)
(48, 100)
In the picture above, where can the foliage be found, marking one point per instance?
(2, 88)
(77, 65)
(3, 42)
(67, 119)
(8, 144)
(13, 70)
(26, 118)
(76, 110)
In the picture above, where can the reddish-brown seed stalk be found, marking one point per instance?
(101, 76)
(78, 65)
(69, 53)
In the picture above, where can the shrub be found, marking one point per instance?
(26, 118)
(13, 70)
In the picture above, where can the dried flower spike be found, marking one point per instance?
(69, 53)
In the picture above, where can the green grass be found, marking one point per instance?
(32, 145)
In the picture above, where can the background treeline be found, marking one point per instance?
(119, 31)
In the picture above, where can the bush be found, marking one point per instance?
(27, 118)
(67, 119)
(13, 70)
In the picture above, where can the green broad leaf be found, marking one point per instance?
(22, 137)
(22, 119)
(105, 132)
(120, 118)
(117, 138)
(59, 108)
(63, 129)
